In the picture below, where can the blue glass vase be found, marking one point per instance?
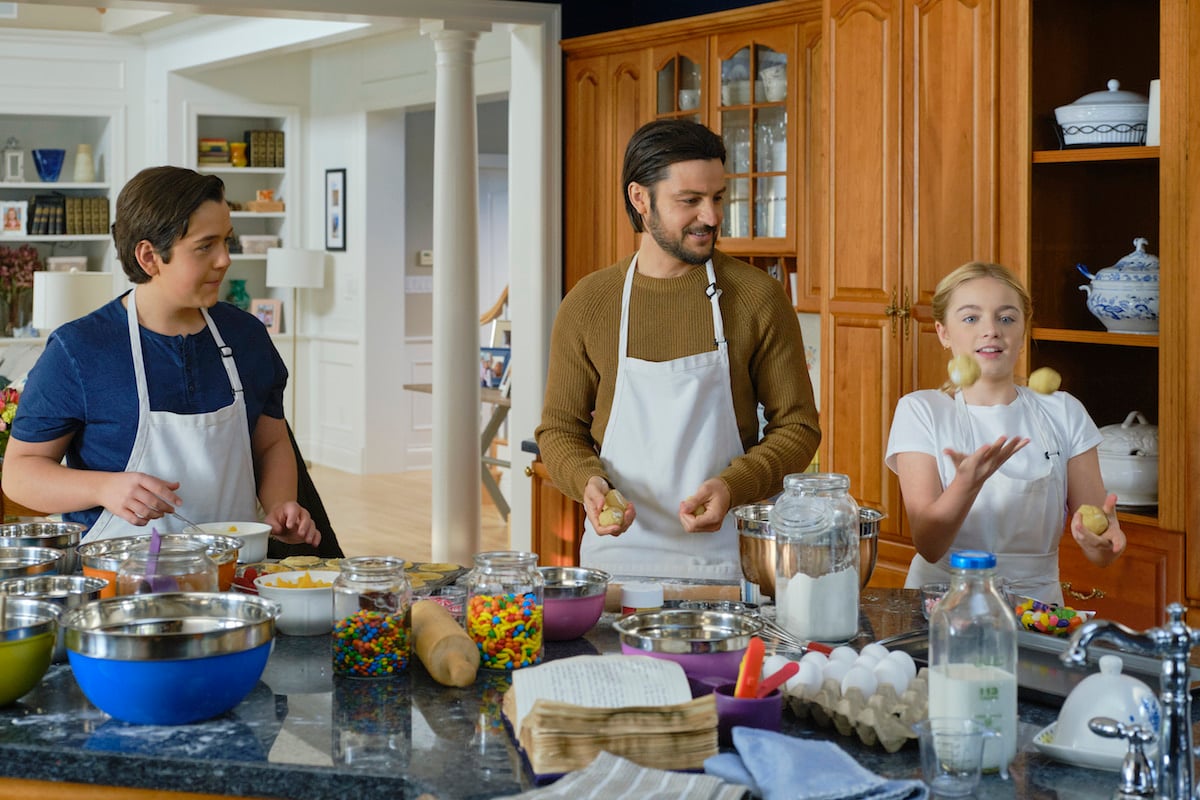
(49, 163)
(237, 294)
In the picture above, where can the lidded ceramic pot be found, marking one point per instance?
(1113, 117)
(1124, 297)
(1106, 693)
(1129, 460)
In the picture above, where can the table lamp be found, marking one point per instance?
(295, 268)
(59, 297)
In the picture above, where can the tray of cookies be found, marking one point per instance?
(421, 574)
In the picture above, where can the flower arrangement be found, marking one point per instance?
(9, 397)
(16, 280)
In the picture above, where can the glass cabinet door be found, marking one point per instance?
(754, 125)
(679, 76)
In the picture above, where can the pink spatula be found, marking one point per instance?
(777, 678)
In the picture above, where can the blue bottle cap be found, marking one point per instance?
(973, 559)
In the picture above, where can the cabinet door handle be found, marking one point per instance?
(891, 311)
(905, 314)
(528, 472)
(1094, 594)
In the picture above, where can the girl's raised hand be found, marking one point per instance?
(983, 463)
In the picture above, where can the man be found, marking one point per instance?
(658, 366)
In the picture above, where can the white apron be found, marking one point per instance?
(672, 427)
(1020, 520)
(209, 454)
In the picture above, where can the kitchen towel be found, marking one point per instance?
(611, 777)
(780, 767)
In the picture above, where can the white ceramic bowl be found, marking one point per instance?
(254, 536)
(1133, 479)
(1106, 693)
(303, 612)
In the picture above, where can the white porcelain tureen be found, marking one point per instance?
(1129, 460)
(1124, 297)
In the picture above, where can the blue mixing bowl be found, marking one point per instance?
(49, 162)
(169, 659)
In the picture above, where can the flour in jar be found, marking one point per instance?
(824, 608)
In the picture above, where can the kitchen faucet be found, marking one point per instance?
(1173, 644)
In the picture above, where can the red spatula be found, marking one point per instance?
(750, 671)
(778, 678)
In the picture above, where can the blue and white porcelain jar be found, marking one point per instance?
(1124, 297)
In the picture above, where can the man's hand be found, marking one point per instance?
(137, 497)
(290, 522)
(593, 503)
(705, 510)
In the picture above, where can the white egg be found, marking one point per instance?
(889, 671)
(805, 683)
(861, 678)
(875, 649)
(819, 660)
(866, 660)
(843, 653)
(835, 671)
(905, 660)
(772, 664)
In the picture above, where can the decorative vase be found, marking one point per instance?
(15, 314)
(238, 295)
(237, 154)
(85, 168)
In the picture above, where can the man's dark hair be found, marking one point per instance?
(155, 205)
(656, 146)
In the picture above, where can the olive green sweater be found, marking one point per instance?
(672, 318)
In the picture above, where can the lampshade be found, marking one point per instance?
(59, 297)
(293, 267)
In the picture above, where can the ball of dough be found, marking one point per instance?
(611, 516)
(1044, 380)
(963, 370)
(1094, 519)
(700, 509)
(613, 511)
(614, 499)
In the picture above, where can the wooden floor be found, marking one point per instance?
(392, 514)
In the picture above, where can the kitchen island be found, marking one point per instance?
(301, 733)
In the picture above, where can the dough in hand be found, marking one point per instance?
(1094, 518)
(613, 511)
(1045, 380)
(963, 370)
(700, 509)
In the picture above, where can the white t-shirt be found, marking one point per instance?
(926, 422)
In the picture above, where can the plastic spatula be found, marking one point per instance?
(750, 671)
(778, 678)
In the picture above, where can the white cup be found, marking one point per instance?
(689, 99)
(775, 89)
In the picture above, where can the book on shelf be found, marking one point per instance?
(563, 713)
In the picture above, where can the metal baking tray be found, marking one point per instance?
(1041, 676)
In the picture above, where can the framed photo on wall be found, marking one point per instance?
(335, 209)
(269, 312)
(14, 217)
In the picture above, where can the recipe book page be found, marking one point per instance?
(600, 682)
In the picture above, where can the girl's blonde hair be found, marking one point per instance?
(969, 272)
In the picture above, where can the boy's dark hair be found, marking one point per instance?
(155, 205)
(657, 145)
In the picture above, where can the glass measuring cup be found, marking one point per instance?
(951, 753)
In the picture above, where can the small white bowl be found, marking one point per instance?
(254, 537)
(303, 612)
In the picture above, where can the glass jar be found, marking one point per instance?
(815, 522)
(973, 655)
(238, 296)
(505, 596)
(178, 566)
(372, 602)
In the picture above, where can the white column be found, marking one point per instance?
(456, 410)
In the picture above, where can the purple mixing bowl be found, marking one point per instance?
(573, 601)
(705, 643)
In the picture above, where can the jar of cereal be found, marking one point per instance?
(505, 593)
(372, 603)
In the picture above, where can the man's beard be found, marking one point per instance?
(677, 248)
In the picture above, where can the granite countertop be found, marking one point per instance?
(303, 733)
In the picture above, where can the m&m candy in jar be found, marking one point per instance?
(505, 593)
(372, 619)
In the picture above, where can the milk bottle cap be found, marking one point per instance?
(973, 559)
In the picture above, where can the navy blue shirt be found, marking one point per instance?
(84, 384)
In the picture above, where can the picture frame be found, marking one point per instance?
(335, 209)
(269, 312)
(493, 366)
(14, 217)
(501, 333)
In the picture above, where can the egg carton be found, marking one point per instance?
(885, 718)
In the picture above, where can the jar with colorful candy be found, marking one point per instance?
(505, 593)
(372, 602)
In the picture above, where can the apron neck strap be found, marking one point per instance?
(714, 295)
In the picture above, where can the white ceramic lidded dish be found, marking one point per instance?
(1124, 297)
(1112, 117)
(1129, 460)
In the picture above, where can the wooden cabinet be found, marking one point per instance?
(557, 520)
(907, 202)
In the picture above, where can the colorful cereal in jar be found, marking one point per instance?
(507, 629)
(370, 644)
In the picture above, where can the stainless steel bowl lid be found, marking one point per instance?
(53, 587)
(107, 554)
(17, 562)
(687, 631)
(162, 627)
(25, 617)
(566, 582)
(40, 534)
